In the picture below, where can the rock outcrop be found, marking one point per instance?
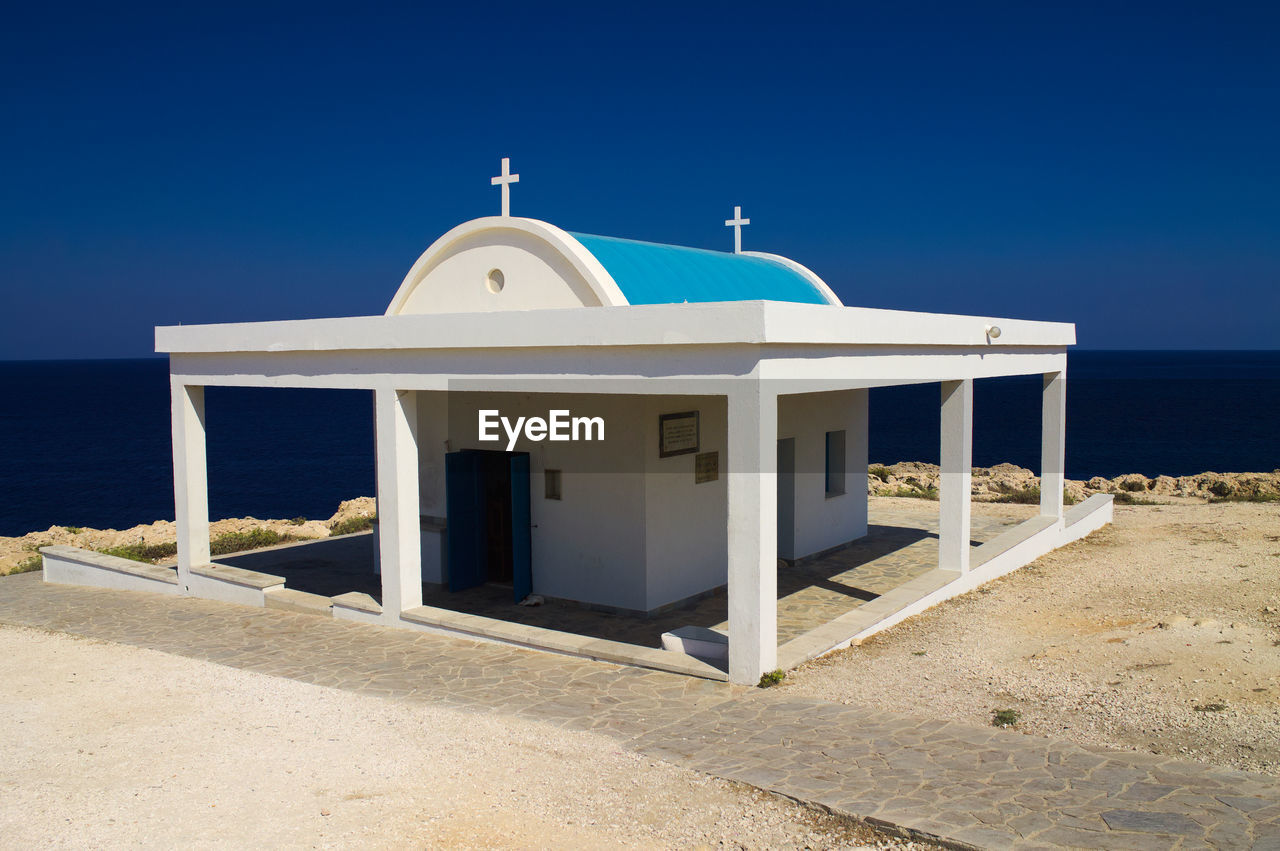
(13, 551)
(1003, 481)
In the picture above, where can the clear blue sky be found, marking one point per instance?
(1110, 164)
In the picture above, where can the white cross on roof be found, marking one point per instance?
(736, 223)
(505, 180)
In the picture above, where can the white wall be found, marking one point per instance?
(635, 531)
(590, 544)
(535, 275)
(823, 522)
(433, 434)
(685, 523)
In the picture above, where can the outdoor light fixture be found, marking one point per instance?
(993, 331)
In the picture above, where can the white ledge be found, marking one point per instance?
(720, 323)
(102, 561)
(237, 576)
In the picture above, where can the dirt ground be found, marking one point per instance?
(109, 746)
(1160, 633)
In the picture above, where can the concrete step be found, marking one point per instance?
(289, 600)
(709, 645)
(563, 642)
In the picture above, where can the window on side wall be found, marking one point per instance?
(835, 463)
(552, 485)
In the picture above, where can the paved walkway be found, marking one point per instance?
(900, 546)
(983, 786)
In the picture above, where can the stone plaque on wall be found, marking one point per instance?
(706, 467)
(677, 434)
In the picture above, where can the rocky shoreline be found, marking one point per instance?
(1001, 483)
(998, 483)
(17, 551)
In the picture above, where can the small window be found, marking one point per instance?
(835, 463)
(495, 281)
(551, 489)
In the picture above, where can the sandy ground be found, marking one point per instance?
(1114, 640)
(1160, 633)
(110, 746)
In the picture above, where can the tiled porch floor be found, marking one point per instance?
(900, 545)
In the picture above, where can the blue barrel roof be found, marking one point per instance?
(651, 273)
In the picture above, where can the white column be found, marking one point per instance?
(753, 531)
(957, 473)
(399, 530)
(1053, 443)
(190, 478)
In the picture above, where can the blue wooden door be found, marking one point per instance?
(521, 546)
(466, 554)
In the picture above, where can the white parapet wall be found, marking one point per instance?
(74, 566)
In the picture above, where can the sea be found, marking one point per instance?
(86, 442)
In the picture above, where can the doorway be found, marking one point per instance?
(487, 504)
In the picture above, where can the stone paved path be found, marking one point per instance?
(982, 786)
(899, 547)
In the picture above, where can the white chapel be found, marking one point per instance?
(685, 421)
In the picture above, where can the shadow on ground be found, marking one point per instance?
(894, 551)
